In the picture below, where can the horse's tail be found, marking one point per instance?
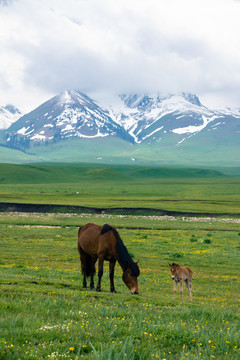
(86, 263)
(86, 266)
(86, 260)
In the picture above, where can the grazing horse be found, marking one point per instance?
(104, 243)
(180, 274)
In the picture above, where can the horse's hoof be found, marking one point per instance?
(84, 287)
(98, 290)
(92, 288)
(113, 291)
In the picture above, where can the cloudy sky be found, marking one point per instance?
(115, 46)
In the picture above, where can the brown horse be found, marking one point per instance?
(180, 274)
(104, 243)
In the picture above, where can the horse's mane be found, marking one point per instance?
(123, 255)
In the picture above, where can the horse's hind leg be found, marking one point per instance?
(100, 271)
(83, 267)
(84, 281)
(111, 275)
(92, 272)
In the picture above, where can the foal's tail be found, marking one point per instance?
(190, 273)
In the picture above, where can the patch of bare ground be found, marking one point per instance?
(111, 216)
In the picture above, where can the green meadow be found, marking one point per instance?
(45, 313)
(167, 188)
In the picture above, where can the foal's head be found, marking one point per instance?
(130, 279)
(173, 268)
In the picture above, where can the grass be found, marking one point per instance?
(45, 313)
(169, 189)
(74, 173)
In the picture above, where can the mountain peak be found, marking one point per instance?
(192, 98)
(68, 114)
(8, 115)
(134, 118)
(157, 100)
(12, 109)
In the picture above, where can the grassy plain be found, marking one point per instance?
(45, 313)
(170, 189)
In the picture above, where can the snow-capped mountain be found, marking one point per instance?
(8, 115)
(150, 118)
(133, 118)
(69, 114)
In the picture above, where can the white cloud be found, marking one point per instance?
(47, 46)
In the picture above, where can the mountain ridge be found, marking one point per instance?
(158, 127)
(73, 113)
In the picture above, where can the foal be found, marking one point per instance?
(180, 274)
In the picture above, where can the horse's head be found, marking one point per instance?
(173, 269)
(130, 279)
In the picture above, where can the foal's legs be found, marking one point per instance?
(181, 288)
(175, 288)
(111, 275)
(189, 287)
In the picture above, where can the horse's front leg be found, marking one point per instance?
(100, 271)
(111, 275)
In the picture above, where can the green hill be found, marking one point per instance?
(203, 151)
(15, 156)
(73, 173)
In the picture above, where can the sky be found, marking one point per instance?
(119, 46)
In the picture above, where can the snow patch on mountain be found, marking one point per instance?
(145, 137)
(193, 129)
